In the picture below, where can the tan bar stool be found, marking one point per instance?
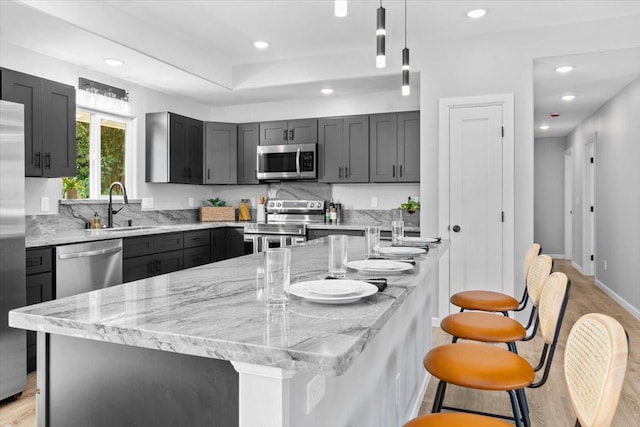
(487, 327)
(486, 367)
(595, 361)
(496, 301)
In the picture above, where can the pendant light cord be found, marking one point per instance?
(405, 23)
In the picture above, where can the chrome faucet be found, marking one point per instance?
(110, 211)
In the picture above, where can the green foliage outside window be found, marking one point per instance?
(82, 158)
(111, 157)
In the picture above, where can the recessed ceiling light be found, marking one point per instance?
(476, 13)
(568, 97)
(327, 91)
(261, 44)
(565, 68)
(114, 62)
(544, 127)
(341, 8)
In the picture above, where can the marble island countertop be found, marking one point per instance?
(82, 235)
(213, 311)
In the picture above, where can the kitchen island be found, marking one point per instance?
(197, 347)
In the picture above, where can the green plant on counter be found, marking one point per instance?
(411, 206)
(217, 202)
(71, 186)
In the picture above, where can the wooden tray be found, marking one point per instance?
(215, 213)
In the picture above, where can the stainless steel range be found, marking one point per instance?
(286, 223)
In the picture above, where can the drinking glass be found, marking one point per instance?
(277, 276)
(397, 231)
(372, 240)
(338, 256)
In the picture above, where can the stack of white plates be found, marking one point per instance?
(420, 242)
(334, 291)
(379, 266)
(396, 251)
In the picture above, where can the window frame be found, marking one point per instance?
(130, 163)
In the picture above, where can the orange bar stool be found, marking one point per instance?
(496, 301)
(595, 362)
(486, 367)
(487, 327)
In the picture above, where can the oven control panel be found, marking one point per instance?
(295, 206)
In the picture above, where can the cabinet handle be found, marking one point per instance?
(284, 134)
(393, 171)
(400, 171)
(339, 172)
(208, 173)
(291, 134)
(255, 173)
(47, 160)
(36, 159)
(346, 172)
(158, 266)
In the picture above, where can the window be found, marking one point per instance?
(102, 143)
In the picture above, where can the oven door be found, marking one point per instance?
(262, 242)
(287, 161)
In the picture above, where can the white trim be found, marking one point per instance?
(568, 203)
(414, 408)
(506, 100)
(588, 199)
(577, 267)
(617, 298)
(557, 256)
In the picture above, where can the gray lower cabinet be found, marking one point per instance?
(220, 153)
(148, 256)
(394, 146)
(247, 145)
(39, 289)
(218, 244)
(343, 150)
(235, 243)
(197, 248)
(303, 131)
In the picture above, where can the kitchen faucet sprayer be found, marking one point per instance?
(110, 211)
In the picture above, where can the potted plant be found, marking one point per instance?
(217, 211)
(411, 206)
(71, 186)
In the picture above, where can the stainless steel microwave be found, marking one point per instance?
(287, 161)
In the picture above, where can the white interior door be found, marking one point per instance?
(568, 204)
(476, 198)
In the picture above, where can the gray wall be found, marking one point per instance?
(617, 194)
(548, 194)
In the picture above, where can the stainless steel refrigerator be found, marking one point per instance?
(13, 293)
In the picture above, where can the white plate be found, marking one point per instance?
(374, 265)
(419, 240)
(400, 250)
(309, 291)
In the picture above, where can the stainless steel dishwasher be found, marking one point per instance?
(89, 266)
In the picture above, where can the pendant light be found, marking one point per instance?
(341, 8)
(380, 38)
(406, 90)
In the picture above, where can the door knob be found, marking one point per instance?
(456, 228)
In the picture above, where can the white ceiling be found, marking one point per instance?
(203, 49)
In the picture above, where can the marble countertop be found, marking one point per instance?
(81, 235)
(213, 311)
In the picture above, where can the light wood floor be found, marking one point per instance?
(549, 404)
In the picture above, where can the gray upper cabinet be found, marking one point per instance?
(174, 149)
(220, 153)
(247, 144)
(50, 130)
(395, 147)
(289, 132)
(343, 150)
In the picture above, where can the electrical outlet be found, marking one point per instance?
(374, 202)
(397, 388)
(44, 204)
(147, 203)
(605, 264)
(316, 389)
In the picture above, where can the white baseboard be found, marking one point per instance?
(617, 298)
(557, 256)
(417, 403)
(577, 267)
(435, 322)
